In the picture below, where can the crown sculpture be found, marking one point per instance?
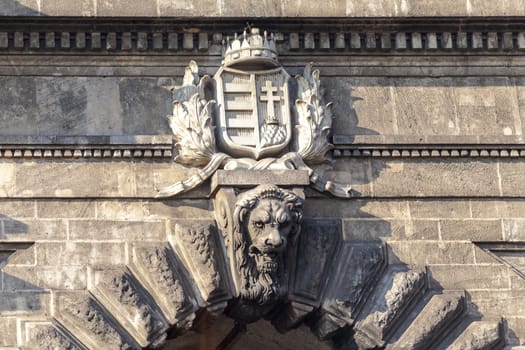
(248, 125)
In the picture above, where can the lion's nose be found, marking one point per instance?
(274, 239)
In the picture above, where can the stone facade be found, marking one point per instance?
(428, 121)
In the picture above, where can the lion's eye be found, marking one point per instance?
(258, 224)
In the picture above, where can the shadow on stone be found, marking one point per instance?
(14, 8)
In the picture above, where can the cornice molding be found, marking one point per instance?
(162, 35)
(368, 41)
(160, 148)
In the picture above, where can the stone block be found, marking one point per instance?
(355, 173)
(10, 208)
(24, 257)
(471, 230)
(65, 209)
(61, 105)
(119, 8)
(446, 40)
(250, 178)
(89, 179)
(434, 178)
(177, 8)
(275, 8)
(487, 104)
(80, 254)
(433, 209)
(471, 277)
(125, 41)
(122, 210)
(18, 102)
(142, 41)
(80, 40)
(513, 229)
(157, 269)
(4, 40)
(172, 209)
(40, 278)
(20, 303)
(30, 229)
(83, 106)
(481, 256)
(477, 40)
(494, 303)
(367, 105)
(7, 179)
(431, 252)
(355, 40)
(173, 41)
(409, 110)
(332, 207)
(103, 230)
(318, 243)
(495, 8)
(140, 97)
(9, 331)
(67, 8)
(420, 230)
(50, 40)
(511, 172)
(510, 208)
(360, 230)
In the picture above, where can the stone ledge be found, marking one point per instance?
(249, 178)
(159, 147)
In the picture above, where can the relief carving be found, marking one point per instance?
(158, 271)
(85, 318)
(201, 253)
(50, 339)
(251, 126)
(128, 303)
(265, 221)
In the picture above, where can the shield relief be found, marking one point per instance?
(254, 112)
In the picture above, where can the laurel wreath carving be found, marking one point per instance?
(314, 118)
(191, 122)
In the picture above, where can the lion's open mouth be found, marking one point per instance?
(266, 262)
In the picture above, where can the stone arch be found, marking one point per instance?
(351, 295)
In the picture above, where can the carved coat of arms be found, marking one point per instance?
(254, 119)
(250, 123)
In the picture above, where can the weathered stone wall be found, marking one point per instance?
(229, 8)
(428, 131)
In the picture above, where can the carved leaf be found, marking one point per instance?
(191, 121)
(193, 131)
(314, 118)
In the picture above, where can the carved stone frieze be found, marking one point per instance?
(83, 316)
(201, 252)
(157, 269)
(394, 294)
(49, 338)
(480, 335)
(441, 312)
(126, 300)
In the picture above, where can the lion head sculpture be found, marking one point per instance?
(265, 220)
